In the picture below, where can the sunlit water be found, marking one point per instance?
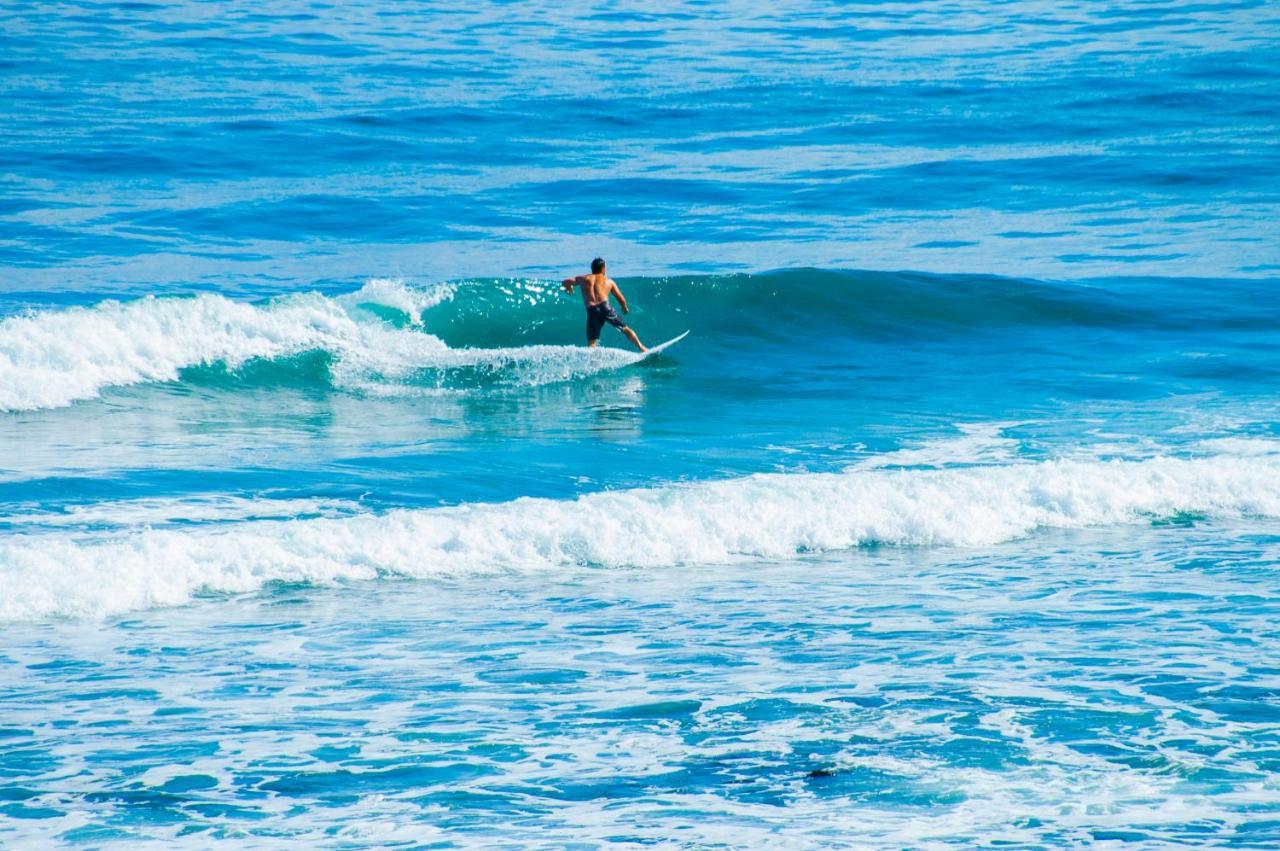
(320, 527)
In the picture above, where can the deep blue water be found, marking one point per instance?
(263, 147)
(953, 522)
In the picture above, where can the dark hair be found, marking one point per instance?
(597, 265)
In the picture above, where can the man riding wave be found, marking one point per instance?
(596, 289)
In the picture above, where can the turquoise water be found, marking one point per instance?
(954, 522)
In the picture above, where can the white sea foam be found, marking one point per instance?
(53, 358)
(770, 516)
(216, 508)
(979, 443)
(1240, 446)
(394, 293)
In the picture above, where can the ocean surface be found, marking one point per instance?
(954, 522)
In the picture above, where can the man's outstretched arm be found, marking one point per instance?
(570, 283)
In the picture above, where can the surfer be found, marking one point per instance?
(596, 289)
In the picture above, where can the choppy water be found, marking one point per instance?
(257, 146)
(319, 526)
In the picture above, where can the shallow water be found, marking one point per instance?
(319, 526)
(1084, 687)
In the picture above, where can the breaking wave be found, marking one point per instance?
(389, 336)
(370, 339)
(759, 517)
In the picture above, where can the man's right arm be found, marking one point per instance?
(570, 283)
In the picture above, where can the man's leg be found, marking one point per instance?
(594, 325)
(631, 335)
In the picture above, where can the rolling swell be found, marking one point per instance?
(387, 336)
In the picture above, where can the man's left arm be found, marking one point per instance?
(617, 293)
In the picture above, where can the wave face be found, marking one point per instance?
(781, 307)
(389, 337)
(752, 518)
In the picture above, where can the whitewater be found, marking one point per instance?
(53, 358)
(759, 518)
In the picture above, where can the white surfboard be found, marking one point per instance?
(653, 350)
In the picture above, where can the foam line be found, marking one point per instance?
(768, 516)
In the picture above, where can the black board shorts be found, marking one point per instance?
(597, 315)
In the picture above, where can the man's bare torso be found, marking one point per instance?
(596, 290)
